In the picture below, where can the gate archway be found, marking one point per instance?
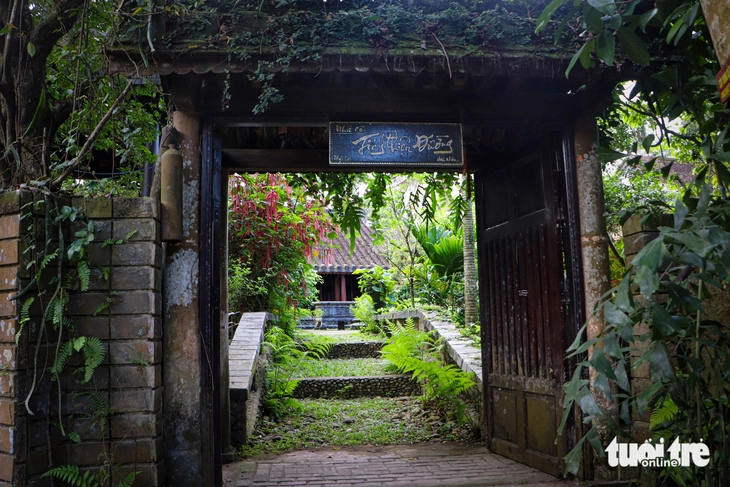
(521, 118)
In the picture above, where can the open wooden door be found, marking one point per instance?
(524, 301)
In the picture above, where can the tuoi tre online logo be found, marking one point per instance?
(653, 455)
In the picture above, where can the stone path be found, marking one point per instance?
(421, 465)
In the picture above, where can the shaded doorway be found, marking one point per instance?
(528, 247)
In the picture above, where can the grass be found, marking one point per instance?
(364, 421)
(357, 367)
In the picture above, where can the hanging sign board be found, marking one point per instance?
(422, 145)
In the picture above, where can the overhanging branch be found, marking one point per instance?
(92, 138)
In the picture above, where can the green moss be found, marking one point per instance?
(303, 28)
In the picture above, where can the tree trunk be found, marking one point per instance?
(28, 120)
(471, 298)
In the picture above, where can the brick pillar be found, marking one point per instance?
(636, 236)
(13, 451)
(182, 355)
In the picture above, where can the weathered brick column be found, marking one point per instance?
(183, 354)
(636, 237)
(13, 452)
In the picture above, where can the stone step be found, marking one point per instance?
(355, 350)
(353, 387)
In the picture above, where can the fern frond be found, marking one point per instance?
(317, 346)
(97, 400)
(25, 310)
(47, 259)
(71, 475)
(94, 353)
(64, 353)
(84, 272)
(24, 317)
(57, 307)
(107, 302)
(663, 414)
(128, 481)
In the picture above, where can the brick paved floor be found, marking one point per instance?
(421, 465)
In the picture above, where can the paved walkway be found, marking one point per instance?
(421, 465)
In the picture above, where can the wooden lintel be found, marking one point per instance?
(323, 105)
(273, 160)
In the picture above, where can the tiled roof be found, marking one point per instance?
(683, 170)
(364, 256)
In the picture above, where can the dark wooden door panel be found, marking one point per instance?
(523, 331)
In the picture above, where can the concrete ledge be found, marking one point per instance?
(244, 349)
(246, 374)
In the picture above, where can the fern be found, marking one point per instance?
(84, 272)
(128, 481)
(47, 259)
(71, 475)
(24, 317)
(660, 415)
(111, 241)
(74, 437)
(412, 352)
(97, 400)
(107, 302)
(57, 307)
(317, 346)
(94, 353)
(64, 353)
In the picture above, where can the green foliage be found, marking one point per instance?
(71, 475)
(364, 312)
(241, 287)
(680, 275)
(286, 354)
(444, 248)
(413, 351)
(275, 230)
(292, 32)
(377, 283)
(627, 188)
(94, 353)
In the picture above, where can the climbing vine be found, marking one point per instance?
(270, 36)
(58, 271)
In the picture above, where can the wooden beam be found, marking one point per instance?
(274, 160)
(324, 104)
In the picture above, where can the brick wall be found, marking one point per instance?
(130, 379)
(12, 444)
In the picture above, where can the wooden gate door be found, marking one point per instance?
(522, 280)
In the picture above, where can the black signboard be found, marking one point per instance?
(434, 145)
